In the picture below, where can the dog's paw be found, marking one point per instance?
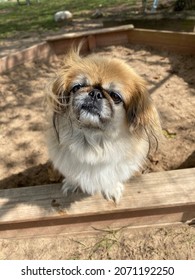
(67, 187)
(115, 194)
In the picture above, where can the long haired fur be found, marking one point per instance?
(98, 148)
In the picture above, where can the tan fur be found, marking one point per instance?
(136, 121)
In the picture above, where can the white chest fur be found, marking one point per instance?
(96, 161)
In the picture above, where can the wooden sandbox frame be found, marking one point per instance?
(151, 199)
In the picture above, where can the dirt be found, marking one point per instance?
(24, 159)
(23, 154)
(170, 243)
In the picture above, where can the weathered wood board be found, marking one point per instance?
(150, 199)
(92, 39)
(40, 51)
(177, 42)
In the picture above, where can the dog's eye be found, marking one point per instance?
(115, 97)
(76, 87)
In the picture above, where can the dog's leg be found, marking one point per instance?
(68, 187)
(115, 194)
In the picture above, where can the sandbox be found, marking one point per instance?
(167, 192)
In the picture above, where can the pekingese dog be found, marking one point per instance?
(102, 125)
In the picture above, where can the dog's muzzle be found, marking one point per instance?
(93, 102)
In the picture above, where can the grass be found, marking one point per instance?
(38, 17)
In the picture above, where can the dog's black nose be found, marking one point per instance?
(96, 94)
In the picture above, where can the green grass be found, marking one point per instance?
(38, 17)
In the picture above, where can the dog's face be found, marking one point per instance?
(96, 92)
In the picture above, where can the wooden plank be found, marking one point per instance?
(155, 198)
(90, 33)
(102, 39)
(179, 42)
(119, 38)
(36, 52)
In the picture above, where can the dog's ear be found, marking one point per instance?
(59, 95)
(142, 115)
